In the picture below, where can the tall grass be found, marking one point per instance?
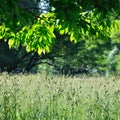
(38, 97)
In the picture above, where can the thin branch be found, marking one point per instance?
(37, 16)
(46, 63)
(19, 61)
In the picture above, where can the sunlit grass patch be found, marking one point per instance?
(39, 97)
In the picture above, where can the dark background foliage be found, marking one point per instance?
(88, 27)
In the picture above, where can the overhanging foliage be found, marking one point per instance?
(20, 24)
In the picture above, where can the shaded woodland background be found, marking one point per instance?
(87, 56)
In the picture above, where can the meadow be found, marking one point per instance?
(44, 97)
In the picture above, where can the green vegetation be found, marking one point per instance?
(39, 97)
(62, 37)
(66, 35)
(35, 30)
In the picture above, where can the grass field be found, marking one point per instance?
(39, 97)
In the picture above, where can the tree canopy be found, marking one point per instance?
(23, 22)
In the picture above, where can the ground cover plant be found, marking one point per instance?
(40, 97)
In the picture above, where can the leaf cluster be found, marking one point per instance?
(20, 24)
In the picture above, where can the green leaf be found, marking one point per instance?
(11, 43)
(39, 50)
(1, 36)
(62, 31)
(72, 36)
